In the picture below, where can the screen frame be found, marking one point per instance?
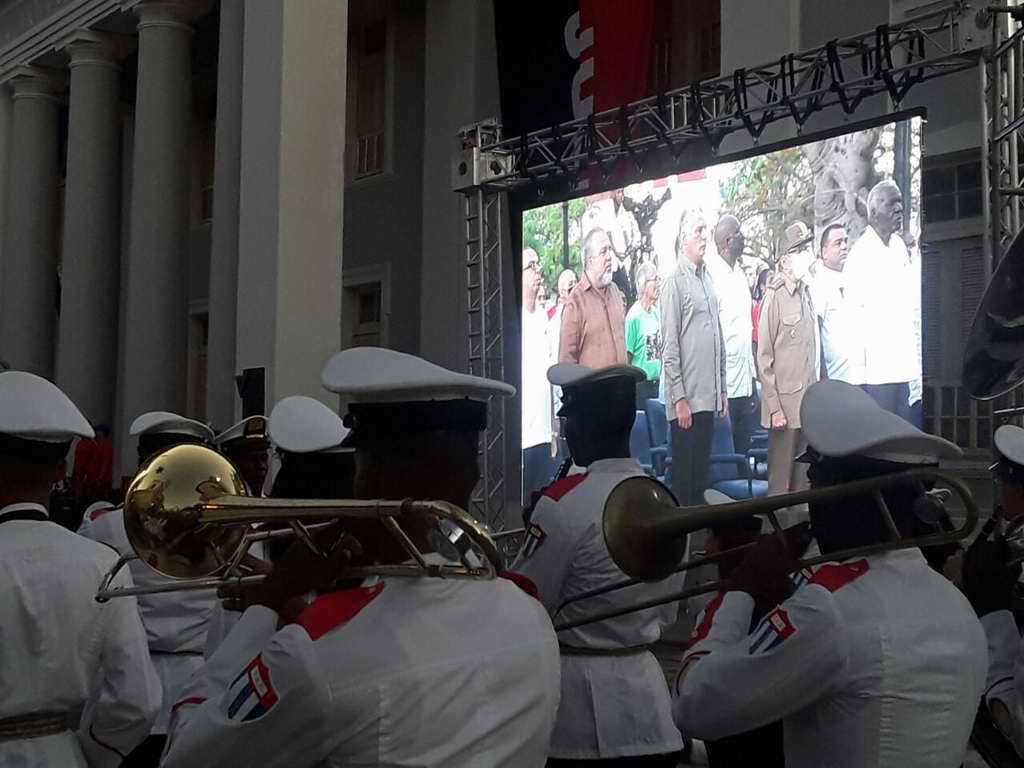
(683, 164)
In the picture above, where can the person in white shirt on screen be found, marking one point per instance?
(841, 342)
(737, 328)
(881, 289)
(537, 416)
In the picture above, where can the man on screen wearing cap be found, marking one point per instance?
(176, 623)
(787, 359)
(246, 445)
(413, 671)
(876, 662)
(62, 650)
(607, 667)
(989, 579)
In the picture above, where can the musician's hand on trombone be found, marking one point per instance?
(298, 572)
(764, 572)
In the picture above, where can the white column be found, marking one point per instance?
(87, 356)
(156, 325)
(28, 316)
(292, 182)
(6, 123)
(220, 365)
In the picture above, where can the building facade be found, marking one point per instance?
(202, 200)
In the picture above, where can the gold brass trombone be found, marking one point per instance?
(188, 514)
(646, 532)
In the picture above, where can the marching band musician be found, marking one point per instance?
(247, 446)
(989, 578)
(615, 702)
(62, 651)
(307, 437)
(877, 662)
(397, 671)
(176, 622)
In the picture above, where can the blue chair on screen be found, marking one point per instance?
(730, 472)
(657, 429)
(640, 443)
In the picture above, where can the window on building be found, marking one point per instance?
(363, 311)
(370, 86)
(952, 191)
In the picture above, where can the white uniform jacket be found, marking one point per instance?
(876, 663)
(62, 651)
(175, 622)
(400, 672)
(612, 705)
(1005, 682)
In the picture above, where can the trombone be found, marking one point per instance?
(188, 514)
(645, 532)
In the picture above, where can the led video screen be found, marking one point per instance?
(734, 288)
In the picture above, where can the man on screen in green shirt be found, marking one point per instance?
(643, 333)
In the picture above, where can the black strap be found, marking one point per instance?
(24, 514)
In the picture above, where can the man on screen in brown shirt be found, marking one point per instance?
(594, 319)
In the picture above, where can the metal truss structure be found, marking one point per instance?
(683, 129)
(1004, 102)
(485, 318)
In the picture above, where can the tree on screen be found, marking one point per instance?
(542, 231)
(767, 193)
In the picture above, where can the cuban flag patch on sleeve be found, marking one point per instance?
(774, 629)
(252, 693)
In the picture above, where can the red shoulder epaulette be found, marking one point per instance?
(704, 627)
(96, 514)
(558, 489)
(835, 576)
(335, 608)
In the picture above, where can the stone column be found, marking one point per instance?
(28, 316)
(220, 376)
(292, 187)
(87, 357)
(156, 323)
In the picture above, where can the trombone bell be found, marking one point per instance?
(161, 512)
(632, 533)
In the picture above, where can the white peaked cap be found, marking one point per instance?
(377, 375)
(839, 419)
(575, 375)
(167, 423)
(1009, 441)
(300, 424)
(249, 428)
(33, 408)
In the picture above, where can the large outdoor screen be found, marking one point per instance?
(733, 287)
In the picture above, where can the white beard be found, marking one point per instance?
(605, 280)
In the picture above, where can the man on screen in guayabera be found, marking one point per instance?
(536, 391)
(734, 313)
(882, 287)
(842, 346)
(593, 331)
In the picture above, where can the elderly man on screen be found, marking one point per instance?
(883, 289)
(787, 359)
(593, 331)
